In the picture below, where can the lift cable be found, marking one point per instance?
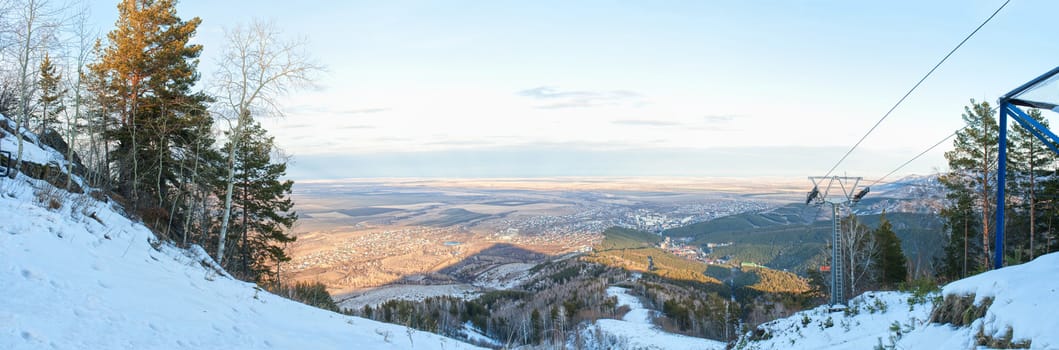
(925, 151)
(917, 156)
(914, 87)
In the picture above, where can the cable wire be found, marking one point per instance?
(914, 88)
(899, 167)
(917, 156)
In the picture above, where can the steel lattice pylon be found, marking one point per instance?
(850, 196)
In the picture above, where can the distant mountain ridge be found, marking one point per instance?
(793, 237)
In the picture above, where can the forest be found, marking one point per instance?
(180, 149)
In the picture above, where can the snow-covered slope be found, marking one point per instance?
(82, 276)
(635, 330)
(1025, 305)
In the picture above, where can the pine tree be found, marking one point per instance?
(892, 265)
(51, 95)
(961, 225)
(971, 164)
(1027, 159)
(149, 67)
(264, 207)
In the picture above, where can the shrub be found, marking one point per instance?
(959, 310)
(51, 197)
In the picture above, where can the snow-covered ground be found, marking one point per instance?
(635, 330)
(819, 328)
(505, 276)
(475, 335)
(30, 151)
(414, 292)
(1026, 304)
(84, 277)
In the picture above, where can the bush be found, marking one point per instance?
(920, 288)
(959, 310)
(828, 323)
(51, 197)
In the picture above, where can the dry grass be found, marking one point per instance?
(959, 310)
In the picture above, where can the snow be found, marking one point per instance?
(1024, 303)
(507, 276)
(475, 335)
(635, 330)
(85, 277)
(875, 313)
(30, 151)
(1025, 300)
(412, 292)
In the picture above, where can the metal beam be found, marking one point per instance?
(1036, 133)
(1022, 117)
(998, 257)
(1013, 93)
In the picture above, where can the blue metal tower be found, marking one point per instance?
(1043, 93)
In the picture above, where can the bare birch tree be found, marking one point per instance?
(35, 23)
(82, 51)
(258, 68)
(859, 250)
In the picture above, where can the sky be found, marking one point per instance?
(625, 88)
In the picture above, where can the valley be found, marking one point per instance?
(406, 250)
(367, 239)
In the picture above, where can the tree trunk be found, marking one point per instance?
(985, 208)
(1033, 202)
(191, 199)
(229, 188)
(965, 219)
(135, 162)
(23, 103)
(246, 229)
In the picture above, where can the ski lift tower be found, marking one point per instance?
(1042, 93)
(849, 196)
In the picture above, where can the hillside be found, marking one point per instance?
(80, 275)
(1007, 308)
(787, 238)
(630, 249)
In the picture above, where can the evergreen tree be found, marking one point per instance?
(149, 67)
(891, 263)
(961, 225)
(971, 164)
(51, 95)
(264, 207)
(1027, 159)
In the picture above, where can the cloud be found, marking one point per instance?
(460, 143)
(364, 111)
(708, 122)
(572, 159)
(355, 127)
(580, 98)
(721, 118)
(316, 109)
(643, 122)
